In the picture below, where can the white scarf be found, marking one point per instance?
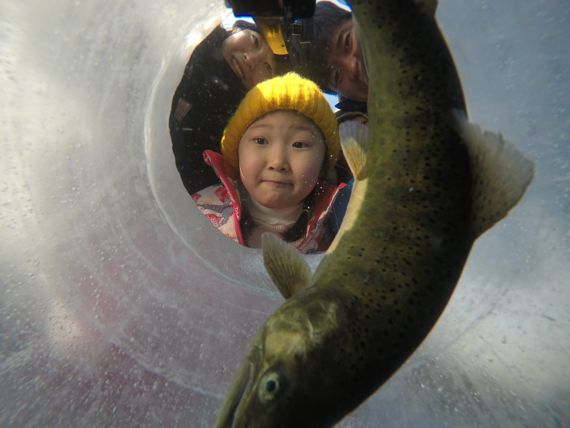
(274, 220)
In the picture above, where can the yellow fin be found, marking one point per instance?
(501, 174)
(287, 268)
(354, 143)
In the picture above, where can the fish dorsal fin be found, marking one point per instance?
(285, 265)
(354, 143)
(501, 174)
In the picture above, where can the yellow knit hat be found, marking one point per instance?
(288, 92)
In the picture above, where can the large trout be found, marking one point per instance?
(427, 185)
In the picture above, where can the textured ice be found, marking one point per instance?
(121, 306)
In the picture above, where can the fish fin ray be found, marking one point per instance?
(287, 268)
(501, 174)
(354, 143)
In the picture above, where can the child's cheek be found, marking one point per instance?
(309, 180)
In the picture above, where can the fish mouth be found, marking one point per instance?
(241, 386)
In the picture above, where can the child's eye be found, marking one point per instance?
(301, 145)
(260, 141)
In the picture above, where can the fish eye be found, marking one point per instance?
(269, 387)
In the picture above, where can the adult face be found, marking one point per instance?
(346, 72)
(280, 158)
(249, 57)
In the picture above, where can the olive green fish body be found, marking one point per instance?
(427, 185)
(411, 234)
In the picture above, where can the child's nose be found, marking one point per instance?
(278, 160)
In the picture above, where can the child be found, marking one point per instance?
(279, 151)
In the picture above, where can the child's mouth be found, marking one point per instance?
(276, 183)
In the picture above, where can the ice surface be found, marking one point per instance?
(121, 306)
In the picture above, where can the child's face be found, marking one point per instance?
(346, 72)
(249, 57)
(280, 159)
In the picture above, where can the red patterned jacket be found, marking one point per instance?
(220, 203)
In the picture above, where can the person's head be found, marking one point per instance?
(249, 56)
(337, 55)
(282, 138)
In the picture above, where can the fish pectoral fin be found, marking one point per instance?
(287, 268)
(501, 174)
(354, 143)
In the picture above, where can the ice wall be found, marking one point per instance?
(120, 306)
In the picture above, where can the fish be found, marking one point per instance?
(427, 184)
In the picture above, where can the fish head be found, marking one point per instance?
(289, 376)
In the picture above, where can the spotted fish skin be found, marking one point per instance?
(410, 221)
(420, 199)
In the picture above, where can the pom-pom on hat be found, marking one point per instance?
(288, 92)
